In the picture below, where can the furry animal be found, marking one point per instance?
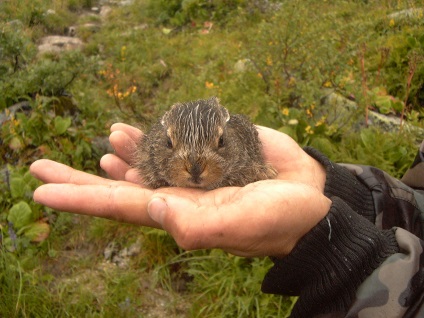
(198, 144)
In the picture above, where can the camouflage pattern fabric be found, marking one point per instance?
(396, 287)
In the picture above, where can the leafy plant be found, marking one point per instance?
(181, 12)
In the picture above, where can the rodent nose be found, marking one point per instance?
(195, 169)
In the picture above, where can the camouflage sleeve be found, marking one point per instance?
(365, 259)
(396, 287)
(385, 201)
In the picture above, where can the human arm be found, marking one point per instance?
(380, 269)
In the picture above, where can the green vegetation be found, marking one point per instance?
(286, 64)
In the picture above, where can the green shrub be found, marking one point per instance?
(182, 12)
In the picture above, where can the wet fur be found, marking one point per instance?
(209, 149)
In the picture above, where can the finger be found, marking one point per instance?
(278, 147)
(114, 166)
(120, 203)
(50, 171)
(123, 144)
(132, 132)
(132, 175)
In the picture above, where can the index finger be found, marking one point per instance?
(50, 171)
(117, 202)
(133, 132)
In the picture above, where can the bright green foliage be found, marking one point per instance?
(181, 12)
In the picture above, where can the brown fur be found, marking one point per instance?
(199, 145)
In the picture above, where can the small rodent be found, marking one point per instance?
(199, 145)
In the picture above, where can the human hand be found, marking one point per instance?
(228, 218)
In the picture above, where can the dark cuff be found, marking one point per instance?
(330, 262)
(342, 183)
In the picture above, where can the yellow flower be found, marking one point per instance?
(269, 60)
(321, 121)
(308, 112)
(327, 84)
(123, 52)
(392, 23)
(309, 130)
(285, 111)
(209, 85)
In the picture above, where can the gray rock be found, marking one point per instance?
(104, 12)
(412, 13)
(72, 31)
(340, 111)
(243, 65)
(23, 106)
(57, 44)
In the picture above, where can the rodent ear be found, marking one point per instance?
(215, 101)
(226, 114)
(164, 119)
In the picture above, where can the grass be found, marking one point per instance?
(131, 69)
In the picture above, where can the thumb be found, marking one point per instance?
(158, 209)
(193, 226)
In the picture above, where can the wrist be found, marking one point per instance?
(331, 261)
(340, 182)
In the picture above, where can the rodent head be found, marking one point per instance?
(194, 144)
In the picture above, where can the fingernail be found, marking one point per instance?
(157, 208)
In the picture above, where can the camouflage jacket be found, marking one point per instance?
(365, 258)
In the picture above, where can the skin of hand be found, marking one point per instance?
(265, 218)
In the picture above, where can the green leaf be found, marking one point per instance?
(322, 144)
(15, 143)
(384, 104)
(37, 232)
(397, 105)
(20, 215)
(166, 31)
(18, 188)
(61, 124)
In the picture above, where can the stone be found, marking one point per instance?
(104, 11)
(57, 44)
(243, 65)
(412, 13)
(340, 111)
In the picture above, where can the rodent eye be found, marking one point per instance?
(221, 142)
(168, 143)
